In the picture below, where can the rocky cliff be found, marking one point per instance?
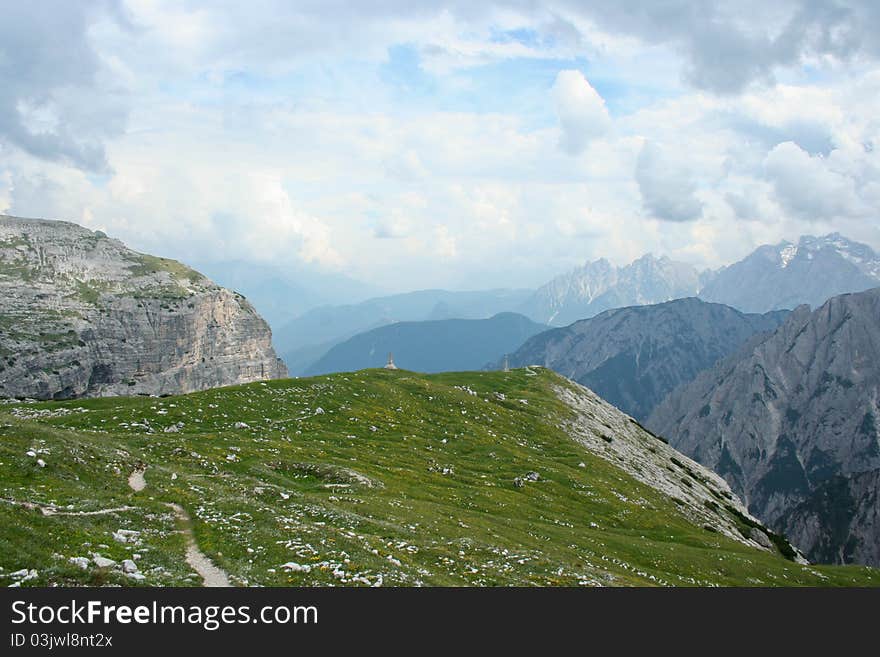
(81, 315)
(792, 424)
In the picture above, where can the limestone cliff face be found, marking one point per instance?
(81, 315)
(793, 424)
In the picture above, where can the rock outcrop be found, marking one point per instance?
(81, 315)
(793, 424)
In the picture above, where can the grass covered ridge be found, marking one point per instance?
(365, 478)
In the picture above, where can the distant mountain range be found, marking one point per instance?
(304, 340)
(786, 275)
(773, 277)
(633, 357)
(598, 286)
(792, 422)
(282, 294)
(442, 345)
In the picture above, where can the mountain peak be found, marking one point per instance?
(599, 286)
(787, 274)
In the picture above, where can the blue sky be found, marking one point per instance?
(444, 144)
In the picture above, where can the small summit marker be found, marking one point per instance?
(390, 364)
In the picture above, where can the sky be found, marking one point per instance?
(412, 144)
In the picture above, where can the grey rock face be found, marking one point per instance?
(786, 275)
(633, 357)
(599, 286)
(793, 424)
(82, 315)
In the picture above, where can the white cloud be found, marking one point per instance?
(445, 244)
(57, 103)
(5, 190)
(581, 111)
(667, 187)
(807, 186)
(269, 134)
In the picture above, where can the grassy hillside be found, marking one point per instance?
(361, 478)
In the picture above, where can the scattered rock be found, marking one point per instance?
(126, 535)
(22, 575)
(103, 562)
(80, 562)
(129, 566)
(292, 566)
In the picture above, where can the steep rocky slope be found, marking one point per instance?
(633, 357)
(786, 275)
(374, 478)
(599, 285)
(82, 315)
(792, 423)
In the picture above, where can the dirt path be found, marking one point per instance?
(211, 575)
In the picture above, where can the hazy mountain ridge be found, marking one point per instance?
(633, 357)
(83, 315)
(786, 275)
(447, 345)
(773, 277)
(598, 286)
(792, 423)
(281, 294)
(330, 325)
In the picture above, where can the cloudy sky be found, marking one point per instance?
(411, 144)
